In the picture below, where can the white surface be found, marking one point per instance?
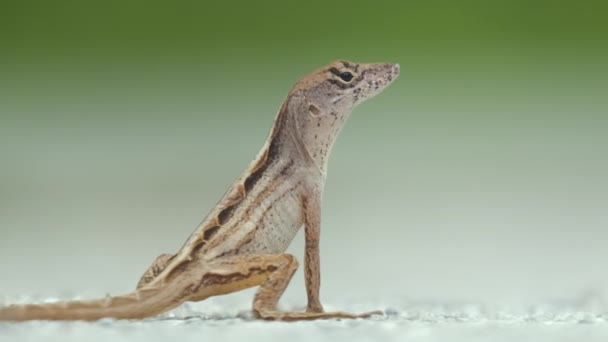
(228, 319)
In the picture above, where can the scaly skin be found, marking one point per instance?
(242, 242)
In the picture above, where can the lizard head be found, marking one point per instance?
(321, 102)
(341, 85)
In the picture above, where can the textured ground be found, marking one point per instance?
(228, 320)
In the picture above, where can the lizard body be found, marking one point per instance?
(242, 242)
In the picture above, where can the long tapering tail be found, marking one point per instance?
(139, 304)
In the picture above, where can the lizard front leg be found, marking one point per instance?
(272, 272)
(312, 267)
(311, 206)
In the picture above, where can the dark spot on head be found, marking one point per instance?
(314, 110)
(334, 71)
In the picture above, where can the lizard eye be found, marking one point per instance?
(346, 76)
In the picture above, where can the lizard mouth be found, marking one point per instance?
(396, 69)
(379, 76)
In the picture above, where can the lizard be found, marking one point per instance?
(242, 242)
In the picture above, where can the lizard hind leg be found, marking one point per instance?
(159, 264)
(272, 272)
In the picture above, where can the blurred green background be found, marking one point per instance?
(480, 174)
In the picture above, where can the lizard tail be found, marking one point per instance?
(139, 304)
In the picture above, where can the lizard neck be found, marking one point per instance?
(309, 137)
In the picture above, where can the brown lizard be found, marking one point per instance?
(242, 242)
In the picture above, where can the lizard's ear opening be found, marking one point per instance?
(315, 111)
